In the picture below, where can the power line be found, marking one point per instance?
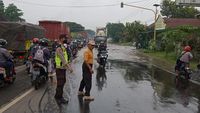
(75, 6)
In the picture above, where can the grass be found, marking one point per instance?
(170, 57)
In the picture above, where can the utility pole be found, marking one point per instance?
(155, 14)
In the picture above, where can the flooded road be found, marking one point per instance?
(146, 89)
(124, 86)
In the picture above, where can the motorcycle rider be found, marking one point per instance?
(183, 60)
(6, 60)
(101, 49)
(102, 46)
(35, 43)
(55, 45)
(43, 45)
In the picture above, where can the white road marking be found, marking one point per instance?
(4, 108)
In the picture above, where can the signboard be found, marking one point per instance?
(160, 23)
(195, 3)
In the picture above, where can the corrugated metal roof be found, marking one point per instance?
(174, 22)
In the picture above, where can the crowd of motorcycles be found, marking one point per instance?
(39, 73)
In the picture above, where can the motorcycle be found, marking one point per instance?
(28, 66)
(183, 76)
(39, 75)
(102, 58)
(4, 79)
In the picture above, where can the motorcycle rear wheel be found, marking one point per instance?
(36, 84)
(2, 83)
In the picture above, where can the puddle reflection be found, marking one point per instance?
(162, 82)
(101, 78)
(84, 105)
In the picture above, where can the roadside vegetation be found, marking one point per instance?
(10, 13)
(169, 42)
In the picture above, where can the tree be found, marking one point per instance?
(180, 36)
(171, 10)
(75, 27)
(1, 7)
(12, 13)
(115, 31)
(90, 32)
(132, 30)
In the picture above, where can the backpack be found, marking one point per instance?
(39, 55)
(178, 62)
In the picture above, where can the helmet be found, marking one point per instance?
(65, 41)
(56, 40)
(187, 48)
(35, 40)
(43, 42)
(3, 42)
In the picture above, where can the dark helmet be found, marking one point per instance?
(35, 40)
(65, 41)
(43, 42)
(187, 48)
(3, 42)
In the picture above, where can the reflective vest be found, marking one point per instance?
(58, 59)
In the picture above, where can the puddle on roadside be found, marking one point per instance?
(161, 82)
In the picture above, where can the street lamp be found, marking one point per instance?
(154, 35)
(155, 13)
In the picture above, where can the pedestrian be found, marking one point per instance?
(61, 60)
(87, 72)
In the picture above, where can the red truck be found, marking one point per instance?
(54, 28)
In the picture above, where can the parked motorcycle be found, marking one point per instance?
(102, 58)
(39, 75)
(4, 79)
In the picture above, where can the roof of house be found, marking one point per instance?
(174, 22)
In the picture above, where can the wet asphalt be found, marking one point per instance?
(21, 84)
(128, 84)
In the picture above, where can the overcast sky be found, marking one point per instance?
(89, 13)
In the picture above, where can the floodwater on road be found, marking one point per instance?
(132, 87)
(128, 84)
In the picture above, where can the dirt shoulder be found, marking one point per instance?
(159, 62)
